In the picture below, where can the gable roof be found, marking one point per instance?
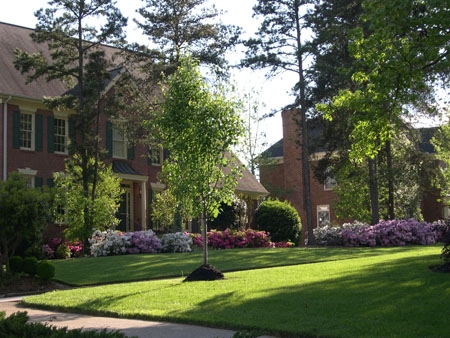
(12, 82)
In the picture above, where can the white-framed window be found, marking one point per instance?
(156, 155)
(27, 131)
(119, 144)
(323, 215)
(29, 176)
(61, 135)
(330, 181)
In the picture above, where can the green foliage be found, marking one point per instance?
(198, 126)
(30, 265)
(441, 143)
(164, 209)
(63, 251)
(45, 270)
(178, 27)
(17, 326)
(24, 216)
(16, 264)
(101, 204)
(280, 220)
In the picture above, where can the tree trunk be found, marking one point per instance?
(304, 136)
(373, 186)
(203, 225)
(390, 180)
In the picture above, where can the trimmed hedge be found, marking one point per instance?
(280, 220)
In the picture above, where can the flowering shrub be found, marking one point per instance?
(143, 242)
(385, 233)
(231, 239)
(327, 236)
(176, 242)
(57, 248)
(108, 243)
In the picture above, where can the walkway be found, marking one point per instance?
(130, 327)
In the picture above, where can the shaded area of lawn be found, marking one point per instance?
(394, 294)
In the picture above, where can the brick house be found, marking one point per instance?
(34, 140)
(282, 176)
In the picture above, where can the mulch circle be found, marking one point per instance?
(204, 273)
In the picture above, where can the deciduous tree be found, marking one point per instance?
(199, 126)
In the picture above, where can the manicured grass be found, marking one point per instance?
(392, 293)
(106, 270)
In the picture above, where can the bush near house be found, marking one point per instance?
(280, 220)
(385, 233)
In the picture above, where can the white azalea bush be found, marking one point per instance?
(109, 242)
(176, 242)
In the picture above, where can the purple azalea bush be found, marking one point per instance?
(143, 242)
(385, 233)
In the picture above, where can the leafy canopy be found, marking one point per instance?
(199, 125)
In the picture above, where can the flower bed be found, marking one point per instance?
(385, 233)
(232, 239)
(57, 248)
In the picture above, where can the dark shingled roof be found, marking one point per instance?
(426, 134)
(12, 82)
(123, 167)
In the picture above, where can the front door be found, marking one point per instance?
(125, 212)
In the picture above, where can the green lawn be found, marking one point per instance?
(382, 292)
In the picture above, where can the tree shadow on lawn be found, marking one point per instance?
(398, 298)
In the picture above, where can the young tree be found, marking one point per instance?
(280, 46)
(24, 217)
(72, 201)
(177, 26)
(199, 126)
(74, 32)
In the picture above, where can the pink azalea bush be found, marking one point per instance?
(232, 239)
(385, 233)
(56, 245)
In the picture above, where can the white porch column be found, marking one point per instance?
(143, 205)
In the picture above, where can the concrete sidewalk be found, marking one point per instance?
(138, 328)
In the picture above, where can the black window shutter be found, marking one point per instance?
(109, 138)
(16, 129)
(51, 134)
(72, 134)
(130, 153)
(149, 208)
(50, 182)
(39, 131)
(37, 182)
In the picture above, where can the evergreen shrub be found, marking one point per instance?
(45, 270)
(280, 220)
(30, 265)
(16, 264)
